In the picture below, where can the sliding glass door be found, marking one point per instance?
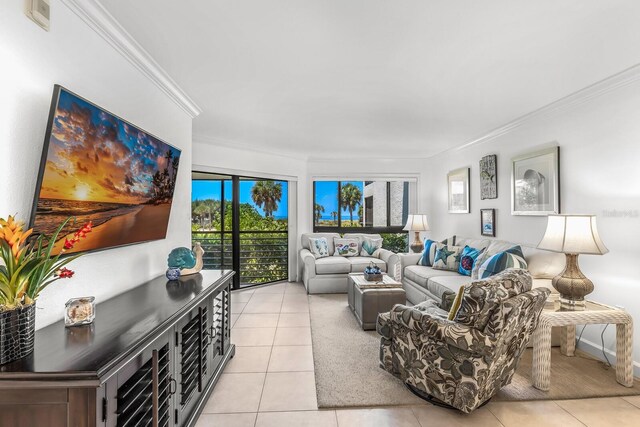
(242, 224)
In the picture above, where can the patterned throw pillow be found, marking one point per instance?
(447, 257)
(429, 253)
(468, 259)
(346, 247)
(511, 258)
(319, 247)
(371, 246)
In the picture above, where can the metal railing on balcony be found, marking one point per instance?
(264, 255)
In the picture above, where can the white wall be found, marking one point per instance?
(600, 158)
(74, 56)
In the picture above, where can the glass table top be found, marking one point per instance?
(553, 305)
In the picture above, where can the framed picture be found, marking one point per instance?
(458, 181)
(488, 222)
(535, 183)
(489, 177)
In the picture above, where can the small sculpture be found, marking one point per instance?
(184, 261)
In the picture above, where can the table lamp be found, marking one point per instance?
(416, 223)
(572, 235)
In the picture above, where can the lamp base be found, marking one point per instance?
(572, 285)
(417, 246)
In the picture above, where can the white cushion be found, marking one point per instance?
(543, 264)
(452, 283)
(333, 265)
(420, 274)
(472, 243)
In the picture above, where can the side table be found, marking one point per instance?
(594, 313)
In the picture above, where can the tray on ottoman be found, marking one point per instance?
(368, 299)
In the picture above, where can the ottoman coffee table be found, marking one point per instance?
(368, 299)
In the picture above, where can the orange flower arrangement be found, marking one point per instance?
(29, 264)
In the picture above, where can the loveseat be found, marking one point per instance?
(423, 283)
(330, 274)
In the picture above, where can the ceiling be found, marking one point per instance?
(377, 78)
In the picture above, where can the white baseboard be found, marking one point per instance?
(595, 349)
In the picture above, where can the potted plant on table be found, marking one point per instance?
(30, 265)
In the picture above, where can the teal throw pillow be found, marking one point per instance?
(468, 259)
(511, 258)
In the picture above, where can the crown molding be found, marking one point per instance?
(610, 84)
(93, 13)
(208, 140)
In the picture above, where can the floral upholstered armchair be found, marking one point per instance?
(465, 361)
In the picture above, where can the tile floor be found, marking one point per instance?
(270, 381)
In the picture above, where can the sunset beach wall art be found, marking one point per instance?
(98, 167)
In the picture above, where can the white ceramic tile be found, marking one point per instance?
(297, 419)
(294, 320)
(236, 393)
(612, 411)
(277, 288)
(289, 391)
(532, 414)
(241, 296)
(250, 337)
(291, 359)
(237, 307)
(295, 304)
(262, 306)
(226, 420)
(257, 320)
(267, 297)
(378, 417)
(430, 415)
(634, 400)
(295, 288)
(233, 319)
(293, 336)
(249, 359)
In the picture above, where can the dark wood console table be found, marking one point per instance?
(151, 358)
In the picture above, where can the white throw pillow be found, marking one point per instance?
(345, 247)
(319, 247)
(447, 257)
(371, 246)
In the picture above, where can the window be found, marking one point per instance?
(370, 206)
(242, 224)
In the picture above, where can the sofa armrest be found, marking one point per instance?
(405, 260)
(392, 261)
(438, 329)
(309, 264)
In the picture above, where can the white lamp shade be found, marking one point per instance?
(572, 234)
(416, 222)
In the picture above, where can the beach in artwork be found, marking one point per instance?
(101, 169)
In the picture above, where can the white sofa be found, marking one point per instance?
(423, 283)
(329, 275)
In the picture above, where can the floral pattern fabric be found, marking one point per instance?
(466, 361)
(346, 247)
(319, 247)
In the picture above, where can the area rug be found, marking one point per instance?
(348, 374)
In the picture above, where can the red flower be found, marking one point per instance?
(68, 244)
(64, 273)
